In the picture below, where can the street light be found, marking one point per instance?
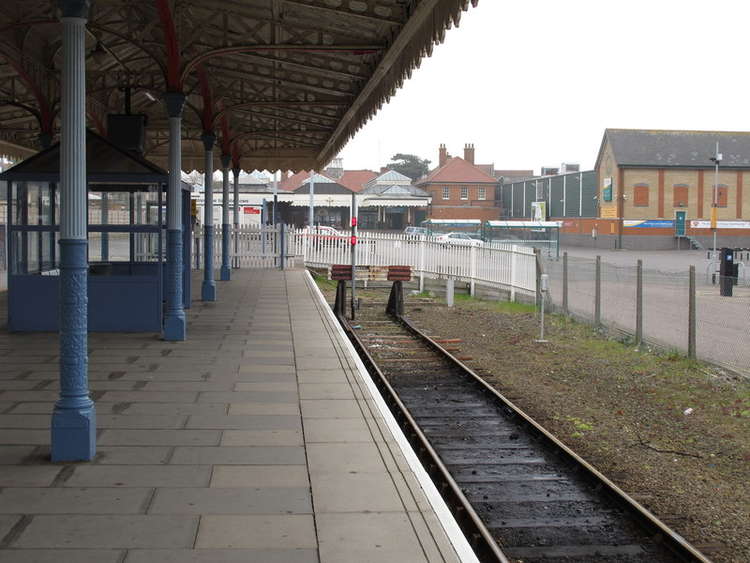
(716, 159)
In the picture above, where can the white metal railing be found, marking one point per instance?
(511, 266)
(251, 247)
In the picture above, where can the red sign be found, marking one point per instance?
(251, 211)
(354, 241)
(354, 221)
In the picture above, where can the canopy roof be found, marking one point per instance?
(284, 84)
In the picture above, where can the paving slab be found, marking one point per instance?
(257, 531)
(376, 538)
(269, 476)
(140, 476)
(231, 500)
(262, 438)
(241, 455)
(98, 500)
(28, 475)
(109, 531)
(222, 556)
(62, 555)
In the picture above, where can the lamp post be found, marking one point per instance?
(716, 159)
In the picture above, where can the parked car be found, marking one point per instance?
(327, 236)
(462, 239)
(416, 231)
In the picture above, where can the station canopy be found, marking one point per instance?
(283, 84)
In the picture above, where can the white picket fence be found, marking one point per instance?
(251, 247)
(507, 266)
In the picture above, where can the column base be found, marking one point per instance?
(74, 434)
(175, 328)
(225, 273)
(208, 290)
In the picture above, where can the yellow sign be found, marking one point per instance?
(713, 217)
(609, 212)
(193, 208)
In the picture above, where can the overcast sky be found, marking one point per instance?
(535, 82)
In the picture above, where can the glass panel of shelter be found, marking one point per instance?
(125, 226)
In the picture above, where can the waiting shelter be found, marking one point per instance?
(126, 213)
(544, 235)
(442, 226)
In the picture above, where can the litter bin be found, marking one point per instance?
(727, 271)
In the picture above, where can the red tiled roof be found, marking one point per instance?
(356, 179)
(456, 169)
(294, 181)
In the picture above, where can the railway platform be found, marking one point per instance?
(256, 440)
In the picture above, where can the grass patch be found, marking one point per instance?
(324, 283)
(509, 307)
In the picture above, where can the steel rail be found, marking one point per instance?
(480, 538)
(676, 543)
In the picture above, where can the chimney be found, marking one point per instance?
(469, 153)
(442, 155)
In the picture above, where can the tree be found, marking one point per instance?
(409, 165)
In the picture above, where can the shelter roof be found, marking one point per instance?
(284, 83)
(395, 190)
(390, 177)
(670, 148)
(324, 186)
(104, 162)
(356, 180)
(457, 170)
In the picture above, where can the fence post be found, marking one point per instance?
(421, 262)
(565, 284)
(598, 293)
(538, 284)
(449, 290)
(513, 269)
(691, 315)
(472, 270)
(639, 304)
(282, 250)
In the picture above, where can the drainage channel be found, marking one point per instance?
(518, 493)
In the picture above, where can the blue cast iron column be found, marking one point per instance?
(208, 289)
(236, 215)
(74, 416)
(174, 321)
(226, 233)
(105, 221)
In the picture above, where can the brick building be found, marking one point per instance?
(656, 187)
(461, 189)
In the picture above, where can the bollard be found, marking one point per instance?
(598, 292)
(565, 283)
(691, 315)
(449, 290)
(639, 304)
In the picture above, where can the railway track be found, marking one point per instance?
(518, 493)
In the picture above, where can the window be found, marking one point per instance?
(722, 194)
(446, 192)
(482, 193)
(464, 192)
(640, 195)
(680, 195)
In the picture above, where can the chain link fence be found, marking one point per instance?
(670, 313)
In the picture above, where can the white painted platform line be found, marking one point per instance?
(447, 521)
